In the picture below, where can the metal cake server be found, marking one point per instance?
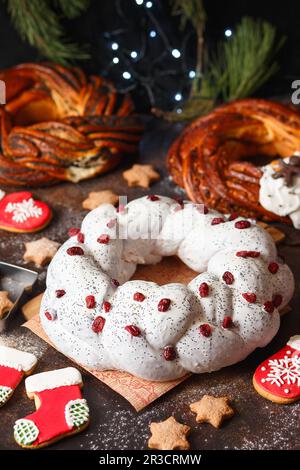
(19, 283)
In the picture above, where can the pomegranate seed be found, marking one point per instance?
(248, 254)
(73, 231)
(111, 223)
(98, 324)
(90, 301)
(204, 289)
(217, 221)
(205, 330)
(251, 298)
(273, 268)
(269, 306)
(138, 296)
(75, 251)
(50, 315)
(80, 237)
(103, 239)
(233, 216)
(106, 306)
(60, 293)
(133, 330)
(228, 277)
(153, 198)
(227, 322)
(202, 209)
(179, 201)
(277, 300)
(241, 224)
(163, 305)
(121, 208)
(115, 283)
(169, 353)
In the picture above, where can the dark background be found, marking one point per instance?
(95, 28)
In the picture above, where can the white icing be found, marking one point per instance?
(16, 359)
(284, 371)
(203, 247)
(2, 194)
(53, 379)
(294, 342)
(5, 393)
(24, 210)
(277, 197)
(25, 431)
(79, 414)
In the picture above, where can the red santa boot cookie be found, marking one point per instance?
(278, 378)
(60, 408)
(14, 364)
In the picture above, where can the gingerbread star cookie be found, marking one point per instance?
(5, 303)
(213, 410)
(40, 251)
(141, 175)
(169, 435)
(96, 198)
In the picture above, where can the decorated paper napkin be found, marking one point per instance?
(138, 392)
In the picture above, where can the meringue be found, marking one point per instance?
(173, 329)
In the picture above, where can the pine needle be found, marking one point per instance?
(189, 10)
(73, 8)
(237, 68)
(243, 63)
(39, 24)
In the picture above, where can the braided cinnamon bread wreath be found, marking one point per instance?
(211, 158)
(59, 124)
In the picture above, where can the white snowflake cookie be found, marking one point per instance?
(278, 377)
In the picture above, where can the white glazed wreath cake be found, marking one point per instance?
(93, 313)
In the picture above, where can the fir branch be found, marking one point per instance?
(193, 11)
(189, 10)
(238, 67)
(39, 24)
(245, 62)
(73, 8)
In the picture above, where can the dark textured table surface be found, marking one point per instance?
(257, 424)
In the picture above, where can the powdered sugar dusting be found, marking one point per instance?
(23, 340)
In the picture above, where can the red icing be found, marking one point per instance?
(262, 377)
(31, 223)
(10, 377)
(50, 417)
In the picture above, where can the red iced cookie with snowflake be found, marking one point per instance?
(278, 378)
(61, 410)
(14, 365)
(20, 212)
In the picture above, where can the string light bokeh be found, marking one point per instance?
(149, 53)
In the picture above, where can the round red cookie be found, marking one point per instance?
(278, 377)
(20, 212)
